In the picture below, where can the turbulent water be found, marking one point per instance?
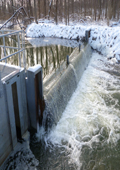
(87, 137)
(88, 133)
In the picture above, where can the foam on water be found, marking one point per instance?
(91, 118)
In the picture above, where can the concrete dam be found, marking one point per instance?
(27, 101)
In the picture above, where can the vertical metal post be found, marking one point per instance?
(4, 47)
(67, 59)
(19, 48)
(23, 47)
(79, 47)
(0, 86)
(87, 35)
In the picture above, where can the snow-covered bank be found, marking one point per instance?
(104, 39)
(58, 31)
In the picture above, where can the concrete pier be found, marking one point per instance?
(13, 108)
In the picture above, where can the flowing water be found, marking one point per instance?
(88, 134)
(87, 137)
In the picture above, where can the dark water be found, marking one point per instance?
(65, 11)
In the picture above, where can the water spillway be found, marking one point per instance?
(58, 89)
(83, 120)
(87, 134)
(60, 86)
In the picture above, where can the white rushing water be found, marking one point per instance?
(91, 117)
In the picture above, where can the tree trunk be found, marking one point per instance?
(56, 18)
(45, 8)
(35, 11)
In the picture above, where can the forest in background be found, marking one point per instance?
(64, 11)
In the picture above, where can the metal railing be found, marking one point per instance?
(9, 50)
(20, 45)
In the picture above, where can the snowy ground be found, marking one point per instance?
(104, 39)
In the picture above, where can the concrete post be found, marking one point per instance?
(35, 96)
(13, 111)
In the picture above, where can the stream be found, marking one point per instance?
(88, 134)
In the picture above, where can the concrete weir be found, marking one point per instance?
(59, 87)
(26, 101)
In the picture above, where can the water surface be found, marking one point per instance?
(88, 133)
(50, 53)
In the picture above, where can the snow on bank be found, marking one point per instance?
(52, 30)
(104, 39)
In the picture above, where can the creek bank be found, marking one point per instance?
(104, 39)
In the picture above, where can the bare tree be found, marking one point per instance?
(15, 16)
(35, 11)
(65, 12)
(50, 6)
(56, 17)
(45, 7)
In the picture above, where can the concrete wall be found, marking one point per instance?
(8, 132)
(5, 134)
